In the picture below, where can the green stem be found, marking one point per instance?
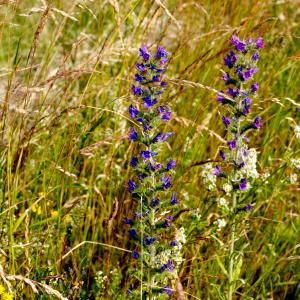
(142, 238)
(231, 251)
(233, 226)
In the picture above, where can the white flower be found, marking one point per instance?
(227, 188)
(221, 223)
(293, 178)
(249, 157)
(208, 176)
(180, 236)
(223, 202)
(196, 213)
(295, 162)
(297, 131)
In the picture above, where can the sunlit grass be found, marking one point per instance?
(65, 77)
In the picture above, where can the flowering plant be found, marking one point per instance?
(238, 163)
(152, 229)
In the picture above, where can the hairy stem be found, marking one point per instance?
(233, 226)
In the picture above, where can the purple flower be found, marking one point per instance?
(154, 167)
(169, 265)
(247, 74)
(157, 137)
(171, 164)
(166, 116)
(166, 223)
(128, 221)
(139, 215)
(133, 111)
(246, 101)
(142, 176)
(226, 121)
(239, 45)
(174, 199)
(217, 170)
(232, 144)
(230, 59)
(134, 161)
(149, 240)
(165, 112)
(173, 243)
(132, 233)
(156, 78)
(243, 184)
(233, 93)
(135, 254)
(254, 87)
(131, 186)
(259, 42)
(146, 154)
(249, 207)
(129, 291)
(167, 290)
(155, 202)
(166, 181)
(163, 84)
(222, 154)
(144, 53)
(163, 61)
(148, 102)
(137, 90)
(133, 134)
(221, 98)
(161, 52)
(140, 67)
(139, 78)
(257, 122)
(255, 56)
(226, 76)
(166, 135)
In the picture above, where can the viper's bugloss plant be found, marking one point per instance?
(237, 169)
(155, 239)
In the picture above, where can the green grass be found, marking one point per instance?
(65, 80)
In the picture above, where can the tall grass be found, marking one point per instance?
(65, 74)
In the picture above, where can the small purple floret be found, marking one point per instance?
(161, 52)
(232, 144)
(249, 207)
(134, 161)
(131, 186)
(259, 42)
(222, 154)
(217, 170)
(133, 134)
(254, 87)
(243, 184)
(174, 199)
(167, 290)
(135, 254)
(171, 164)
(133, 111)
(226, 121)
(257, 122)
(144, 53)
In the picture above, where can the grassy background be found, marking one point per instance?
(66, 68)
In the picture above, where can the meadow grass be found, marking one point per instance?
(66, 69)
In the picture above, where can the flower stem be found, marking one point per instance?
(141, 211)
(234, 202)
(231, 251)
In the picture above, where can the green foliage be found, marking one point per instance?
(65, 78)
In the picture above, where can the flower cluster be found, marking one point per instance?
(241, 88)
(151, 224)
